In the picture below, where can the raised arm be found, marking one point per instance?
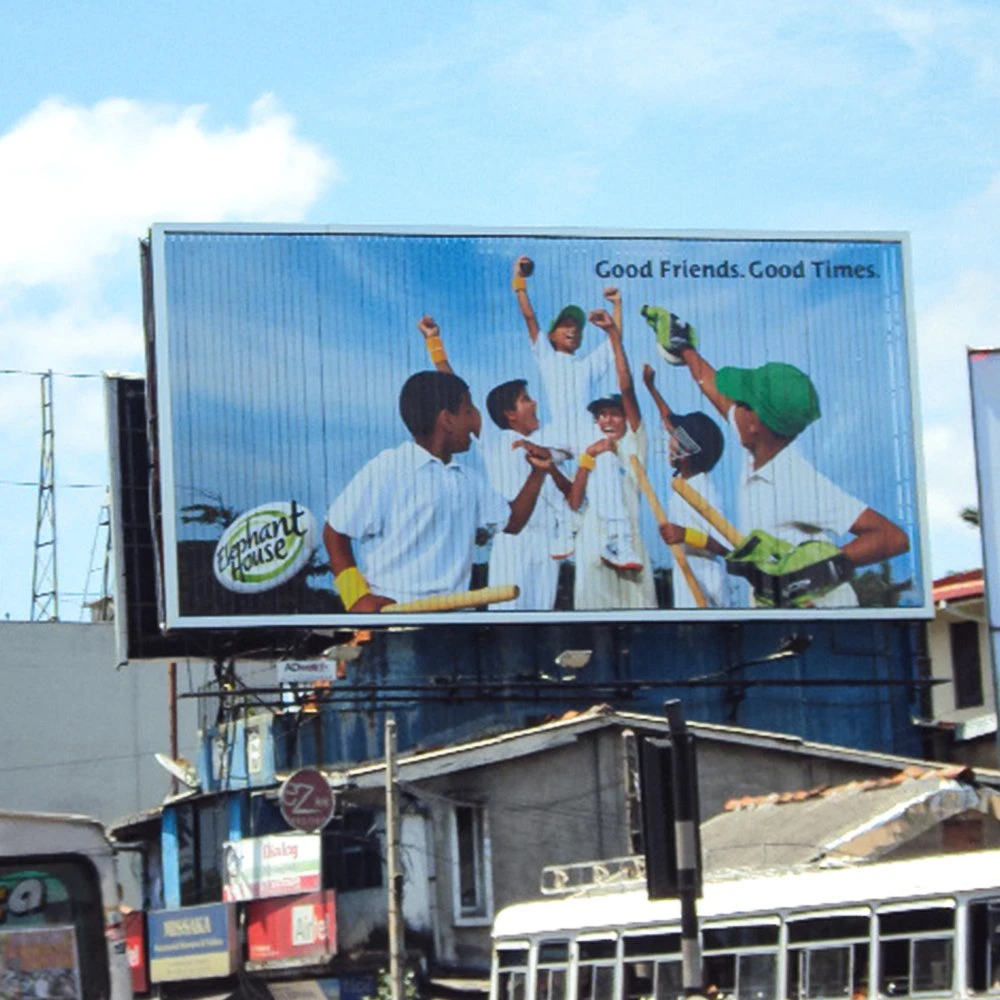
(704, 374)
(649, 380)
(600, 318)
(523, 267)
(523, 505)
(434, 344)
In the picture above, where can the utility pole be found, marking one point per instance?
(393, 873)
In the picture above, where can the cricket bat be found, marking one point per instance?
(677, 551)
(457, 601)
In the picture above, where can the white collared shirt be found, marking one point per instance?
(571, 382)
(413, 521)
(508, 470)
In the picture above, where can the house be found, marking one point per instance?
(480, 821)
(963, 719)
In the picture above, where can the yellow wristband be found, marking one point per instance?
(587, 462)
(518, 283)
(435, 348)
(695, 538)
(351, 586)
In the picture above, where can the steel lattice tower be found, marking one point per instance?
(44, 578)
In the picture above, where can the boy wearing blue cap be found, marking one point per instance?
(786, 506)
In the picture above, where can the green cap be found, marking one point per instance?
(575, 313)
(782, 396)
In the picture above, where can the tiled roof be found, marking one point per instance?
(958, 586)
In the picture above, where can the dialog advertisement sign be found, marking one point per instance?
(193, 942)
(39, 962)
(262, 867)
(291, 930)
(528, 427)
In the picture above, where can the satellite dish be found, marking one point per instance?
(180, 768)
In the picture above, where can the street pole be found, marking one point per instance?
(685, 782)
(393, 873)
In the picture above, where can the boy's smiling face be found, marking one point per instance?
(610, 421)
(566, 336)
(523, 418)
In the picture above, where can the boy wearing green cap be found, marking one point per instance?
(783, 497)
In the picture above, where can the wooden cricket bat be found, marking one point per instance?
(677, 551)
(707, 511)
(457, 601)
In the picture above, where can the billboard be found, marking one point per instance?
(292, 931)
(193, 942)
(984, 379)
(538, 426)
(264, 867)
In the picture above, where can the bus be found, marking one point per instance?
(923, 927)
(61, 934)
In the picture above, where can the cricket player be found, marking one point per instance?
(523, 558)
(696, 445)
(604, 579)
(788, 511)
(405, 526)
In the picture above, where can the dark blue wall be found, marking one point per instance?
(476, 671)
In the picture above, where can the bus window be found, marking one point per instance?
(984, 946)
(52, 930)
(550, 979)
(916, 951)
(652, 967)
(828, 957)
(512, 973)
(595, 977)
(741, 961)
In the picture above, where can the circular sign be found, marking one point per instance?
(306, 800)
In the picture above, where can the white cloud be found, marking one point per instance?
(81, 183)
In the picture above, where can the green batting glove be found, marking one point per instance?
(672, 333)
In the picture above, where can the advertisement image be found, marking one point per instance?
(529, 427)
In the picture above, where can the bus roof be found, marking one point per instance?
(24, 833)
(928, 877)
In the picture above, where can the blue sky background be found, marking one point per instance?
(778, 115)
(286, 353)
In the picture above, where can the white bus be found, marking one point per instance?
(928, 927)
(61, 932)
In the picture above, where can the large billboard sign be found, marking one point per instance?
(984, 379)
(538, 426)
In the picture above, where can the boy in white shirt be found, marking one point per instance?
(405, 526)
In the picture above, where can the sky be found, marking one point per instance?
(757, 116)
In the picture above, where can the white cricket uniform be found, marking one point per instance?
(571, 382)
(598, 586)
(790, 500)
(709, 571)
(413, 521)
(522, 558)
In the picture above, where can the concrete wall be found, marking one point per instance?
(78, 735)
(939, 649)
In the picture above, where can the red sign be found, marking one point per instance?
(306, 800)
(135, 948)
(303, 927)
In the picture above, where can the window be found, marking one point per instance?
(550, 980)
(742, 960)
(471, 863)
(352, 852)
(202, 829)
(512, 974)
(595, 978)
(828, 957)
(965, 664)
(984, 946)
(652, 966)
(916, 951)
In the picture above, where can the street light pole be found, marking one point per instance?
(393, 874)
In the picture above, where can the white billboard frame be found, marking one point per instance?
(174, 619)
